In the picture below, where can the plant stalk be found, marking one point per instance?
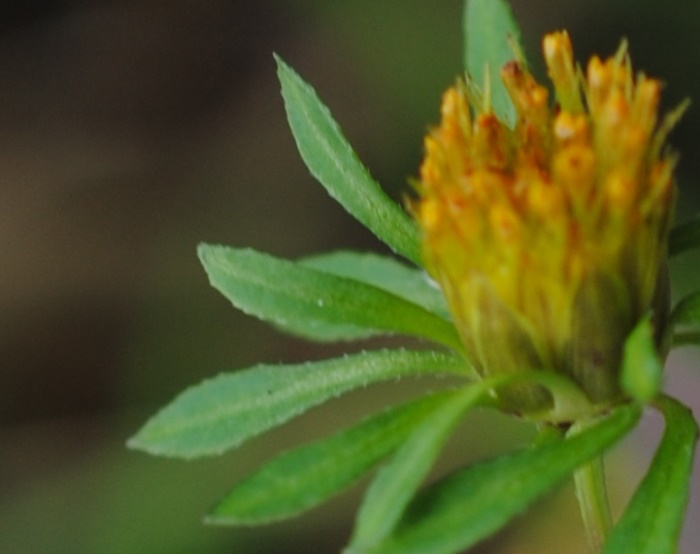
(592, 496)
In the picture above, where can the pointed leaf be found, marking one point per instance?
(223, 412)
(307, 476)
(684, 237)
(316, 304)
(385, 273)
(466, 507)
(488, 26)
(652, 522)
(332, 161)
(641, 366)
(397, 481)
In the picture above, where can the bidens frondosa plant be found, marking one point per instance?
(549, 240)
(545, 224)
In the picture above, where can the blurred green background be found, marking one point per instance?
(129, 132)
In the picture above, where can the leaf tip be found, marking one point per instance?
(203, 249)
(212, 519)
(142, 444)
(207, 254)
(641, 367)
(132, 443)
(284, 70)
(278, 60)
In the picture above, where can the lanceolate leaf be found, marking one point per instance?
(684, 237)
(223, 412)
(304, 477)
(331, 159)
(386, 273)
(397, 481)
(652, 521)
(316, 304)
(469, 505)
(488, 26)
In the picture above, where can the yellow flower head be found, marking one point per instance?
(549, 239)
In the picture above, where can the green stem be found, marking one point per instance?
(593, 503)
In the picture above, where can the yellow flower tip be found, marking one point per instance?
(575, 169)
(619, 191)
(429, 214)
(646, 103)
(548, 239)
(455, 109)
(490, 147)
(526, 94)
(596, 73)
(557, 48)
(558, 55)
(571, 128)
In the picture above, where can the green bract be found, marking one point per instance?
(345, 296)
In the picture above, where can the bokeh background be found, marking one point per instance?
(131, 131)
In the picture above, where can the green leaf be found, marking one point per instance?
(471, 504)
(316, 304)
(304, 477)
(652, 521)
(225, 411)
(686, 315)
(684, 237)
(385, 273)
(332, 161)
(488, 26)
(397, 481)
(641, 367)
(687, 311)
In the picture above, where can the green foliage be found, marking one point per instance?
(223, 412)
(304, 477)
(687, 311)
(316, 304)
(331, 159)
(397, 481)
(489, 28)
(685, 319)
(641, 367)
(472, 503)
(350, 296)
(652, 522)
(385, 273)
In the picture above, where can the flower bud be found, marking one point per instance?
(549, 240)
